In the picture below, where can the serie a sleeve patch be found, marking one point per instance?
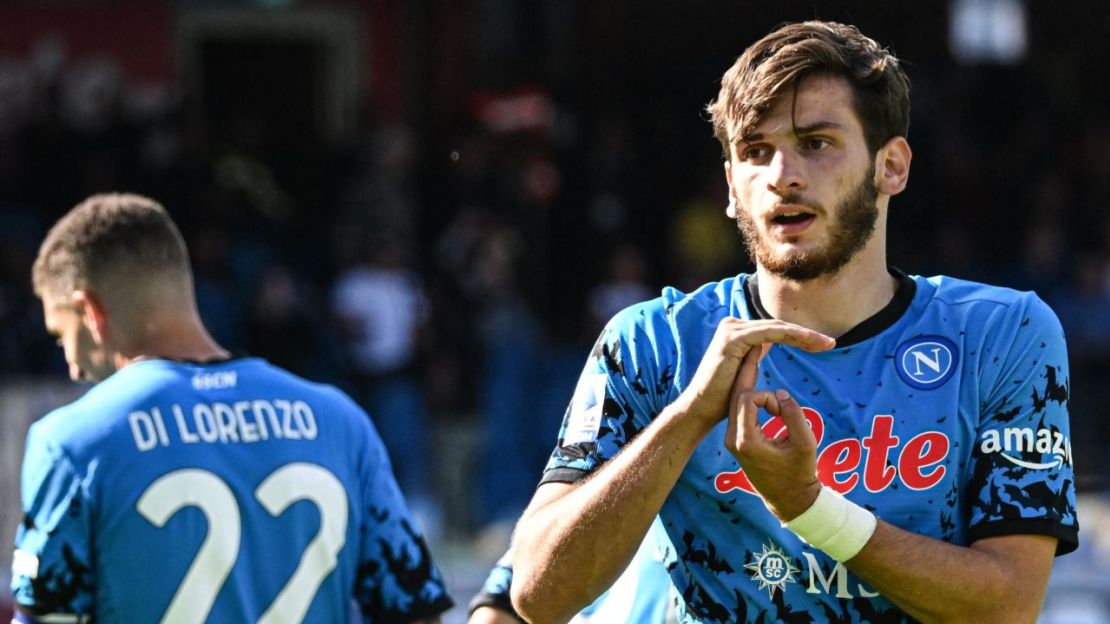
(584, 419)
(25, 564)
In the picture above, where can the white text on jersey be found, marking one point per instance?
(216, 380)
(1013, 443)
(239, 422)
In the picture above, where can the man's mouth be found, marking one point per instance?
(790, 218)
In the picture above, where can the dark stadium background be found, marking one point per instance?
(529, 163)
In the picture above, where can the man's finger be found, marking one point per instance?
(732, 429)
(817, 342)
(746, 408)
(749, 335)
(797, 426)
(748, 374)
(764, 350)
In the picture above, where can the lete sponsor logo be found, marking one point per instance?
(1013, 443)
(839, 463)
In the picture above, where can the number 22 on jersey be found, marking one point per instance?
(192, 487)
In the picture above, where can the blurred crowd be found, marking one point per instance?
(453, 279)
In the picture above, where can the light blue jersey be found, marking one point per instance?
(642, 594)
(228, 492)
(945, 414)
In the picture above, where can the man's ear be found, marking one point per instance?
(93, 313)
(892, 166)
(730, 210)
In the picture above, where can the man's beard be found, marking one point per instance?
(855, 221)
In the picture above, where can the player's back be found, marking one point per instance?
(230, 492)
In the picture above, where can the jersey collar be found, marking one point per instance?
(871, 326)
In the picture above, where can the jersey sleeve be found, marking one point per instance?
(618, 393)
(495, 591)
(397, 579)
(1023, 481)
(52, 571)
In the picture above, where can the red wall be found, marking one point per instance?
(137, 33)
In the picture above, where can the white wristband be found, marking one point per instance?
(834, 524)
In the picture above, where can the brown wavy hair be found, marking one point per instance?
(777, 63)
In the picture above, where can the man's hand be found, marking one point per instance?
(574, 540)
(708, 396)
(784, 469)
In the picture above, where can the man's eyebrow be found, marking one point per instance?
(818, 127)
(797, 131)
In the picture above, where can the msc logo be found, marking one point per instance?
(821, 583)
(926, 362)
(772, 569)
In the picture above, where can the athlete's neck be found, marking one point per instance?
(172, 339)
(831, 304)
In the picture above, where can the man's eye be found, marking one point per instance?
(755, 152)
(816, 144)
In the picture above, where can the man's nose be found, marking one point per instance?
(786, 172)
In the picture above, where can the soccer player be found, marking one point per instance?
(187, 485)
(828, 439)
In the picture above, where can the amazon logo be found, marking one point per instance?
(1016, 444)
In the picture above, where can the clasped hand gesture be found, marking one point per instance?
(784, 469)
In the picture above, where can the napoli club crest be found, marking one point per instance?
(926, 362)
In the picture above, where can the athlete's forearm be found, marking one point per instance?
(997, 580)
(568, 550)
